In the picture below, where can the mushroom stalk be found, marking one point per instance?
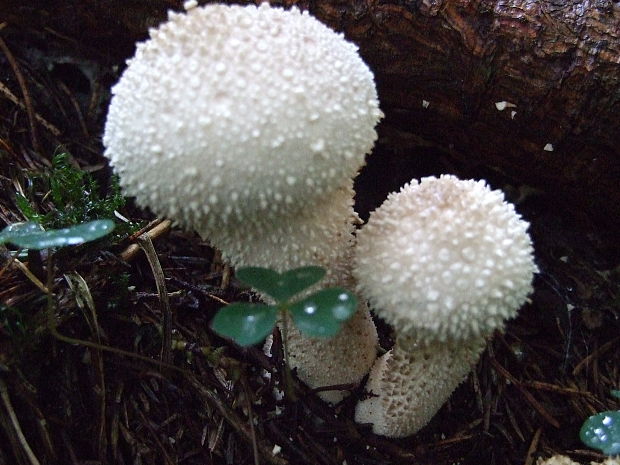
(410, 383)
(320, 235)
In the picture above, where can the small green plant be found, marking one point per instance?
(75, 195)
(602, 431)
(72, 197)
(31, 235)
(320, 314)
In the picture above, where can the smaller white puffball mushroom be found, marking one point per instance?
(445, 262)
(445, 259)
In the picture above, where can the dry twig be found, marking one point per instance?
(25, 92)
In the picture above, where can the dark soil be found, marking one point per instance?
(97, 392)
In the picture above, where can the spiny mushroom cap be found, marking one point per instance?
(445, 259)
(229, 112)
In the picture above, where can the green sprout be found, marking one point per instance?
(602, 431)
(320, 314)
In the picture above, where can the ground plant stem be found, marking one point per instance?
(4, 393)
(288, 376)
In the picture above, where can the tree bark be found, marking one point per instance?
(444, 70)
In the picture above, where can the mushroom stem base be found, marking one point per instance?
(407, 388)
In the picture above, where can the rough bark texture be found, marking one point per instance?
(441, 67)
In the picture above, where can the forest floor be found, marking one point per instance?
(84, 379)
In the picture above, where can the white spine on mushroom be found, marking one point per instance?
(446, 262)
(247, 124)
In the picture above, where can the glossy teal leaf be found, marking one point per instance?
(280, 286)
(31, 236)
(322, 313)
(615, 393)
(19, 229)
(245, 323)
(602, 432)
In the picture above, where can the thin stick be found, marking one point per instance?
(225, 277)
(153, 230)
(27, 100)
(558, 389)
(83, 299)
(42, 121)
(24, 269)
(147, 246)
(586, 360)
(288, 376)
(529, 458)
(251, 422)
(528, 396)
(6, 400)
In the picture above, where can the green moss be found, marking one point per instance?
(75, 198)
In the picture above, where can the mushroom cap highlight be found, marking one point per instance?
(229, 112)
(445, 260)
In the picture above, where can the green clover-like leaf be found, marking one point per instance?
(602, 432)
(281, 286)
(322, 313)
(31, 236)
(245, 323)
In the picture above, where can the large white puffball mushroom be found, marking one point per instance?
(247, 124)
(445, 259)
(445, 262)
(232, 113)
